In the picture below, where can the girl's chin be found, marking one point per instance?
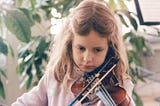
(86, 71)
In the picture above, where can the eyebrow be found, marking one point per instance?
(78, 45)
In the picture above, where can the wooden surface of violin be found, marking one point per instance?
(117, 93)
(87, 84)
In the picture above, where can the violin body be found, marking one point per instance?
(117, 93)
(114, 97)
(104, 84)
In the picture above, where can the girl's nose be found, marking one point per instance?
(87, 57)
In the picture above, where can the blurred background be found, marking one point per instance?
(27, 28)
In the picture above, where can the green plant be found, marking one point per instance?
(19, 20)
(3, 52)
(34, 54)
(138, 43)
(31, 60)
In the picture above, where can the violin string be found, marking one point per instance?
(103, 94)
(98, 82)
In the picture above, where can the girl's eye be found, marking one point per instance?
(81, 48)
(97, 50)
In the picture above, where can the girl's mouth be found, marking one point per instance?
(87, 68)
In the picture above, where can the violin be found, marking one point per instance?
(98, 82)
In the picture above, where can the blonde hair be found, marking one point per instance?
(88, 15)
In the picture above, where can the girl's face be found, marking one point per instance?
(89, 51)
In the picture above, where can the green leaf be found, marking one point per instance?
(24, 50)
(36, 17)
(135, 74)
(122, 20)
(2, 73)
(28, 14)
(133, 57)
(11, 51)
(122, 4)
(33, 3)
(20, 68)
(19, 3)
(2, 91)
(129, 35)
(137, 99)
(138, 43)
(29, 82)
(132, 20)
(38, 71)
(30, 76)
(112, 4)
(41, 46)
(18, 24)
(29, 69)
(3, 47)
(67, 4)
(24, 81)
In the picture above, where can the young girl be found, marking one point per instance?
(89, 37)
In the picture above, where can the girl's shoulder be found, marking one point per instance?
(128, 85)
(50, 76)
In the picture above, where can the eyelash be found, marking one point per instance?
(81, 48)
(95, 50)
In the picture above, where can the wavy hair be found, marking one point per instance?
(88, 15)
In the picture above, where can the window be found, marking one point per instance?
(148, 11)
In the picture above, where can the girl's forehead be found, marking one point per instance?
(91, 35)
(93, 38)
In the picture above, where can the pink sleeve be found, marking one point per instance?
(35, 97)
(128, 86)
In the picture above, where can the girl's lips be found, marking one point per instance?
(88, 68)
